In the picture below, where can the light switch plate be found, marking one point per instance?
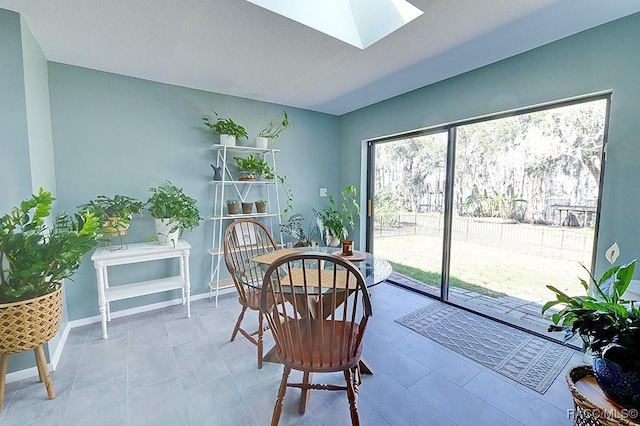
(323, 192)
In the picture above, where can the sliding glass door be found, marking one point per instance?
(408, 207)
(518, 212)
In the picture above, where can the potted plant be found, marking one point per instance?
(35, 258)
(115, 213)
(251, 167)
(261, 206)
(293, 226)
(228, 130)
(173, 211)
(609, 327)
(332, 221)
(247, 208)
(233, 207)
(273, 130)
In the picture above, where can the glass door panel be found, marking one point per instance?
(525, 199)
(408, 208)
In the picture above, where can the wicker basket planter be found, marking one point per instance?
(27, 325)
(593, 408)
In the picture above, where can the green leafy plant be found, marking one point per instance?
(170, 202)
(255, 165)
(276, 126)
(601, 317)
(293, 226)
(230, 201)
(34, 257)
(258, 166)
(115, 212)
(224, 126)
(333, 220)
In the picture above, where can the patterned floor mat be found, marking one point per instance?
(529, 360)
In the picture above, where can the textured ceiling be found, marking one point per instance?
(237, 48)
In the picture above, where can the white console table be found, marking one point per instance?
(140, 252)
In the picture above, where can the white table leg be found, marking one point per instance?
(187, 283)
(102, 299)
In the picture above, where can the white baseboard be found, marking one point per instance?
(22, 374)
(55, 357)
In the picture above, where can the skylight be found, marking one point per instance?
(357, 22)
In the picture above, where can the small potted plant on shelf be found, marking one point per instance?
(233, 207)
(35, 259)
(228, 130)
(252, 167)
(173, 211)
(609, 327)
(115, 213)
(273, 130)
(247, 208)
(293, 226)
(332, 221)
(261, 206)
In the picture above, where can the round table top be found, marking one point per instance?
(374, 268)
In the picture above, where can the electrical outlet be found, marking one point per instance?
(323, 192)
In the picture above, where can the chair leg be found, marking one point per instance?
(260, 335)
(238, 322)
(353, 398)
(4, 362)
(282, 390)
(41, 362)
(304, 393)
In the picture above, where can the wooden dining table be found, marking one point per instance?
(374, 269)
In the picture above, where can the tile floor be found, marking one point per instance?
(160, 368)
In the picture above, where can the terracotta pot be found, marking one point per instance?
(233, 208)
(247, 208)
(261, 207)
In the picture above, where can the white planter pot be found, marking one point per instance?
(260, 142)
(332, 241)
(163, 226)
(228, 140)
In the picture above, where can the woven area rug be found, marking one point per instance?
(529, 360)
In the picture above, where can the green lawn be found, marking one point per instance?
(433, 279)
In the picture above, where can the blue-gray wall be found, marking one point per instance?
(26, 142)
(36, 89)
(15, 174)
(116, 134)
(603, 58)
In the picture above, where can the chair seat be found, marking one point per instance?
(321, 352)
(252, 300)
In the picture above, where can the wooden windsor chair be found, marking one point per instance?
(318, 322)
(245, 239)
